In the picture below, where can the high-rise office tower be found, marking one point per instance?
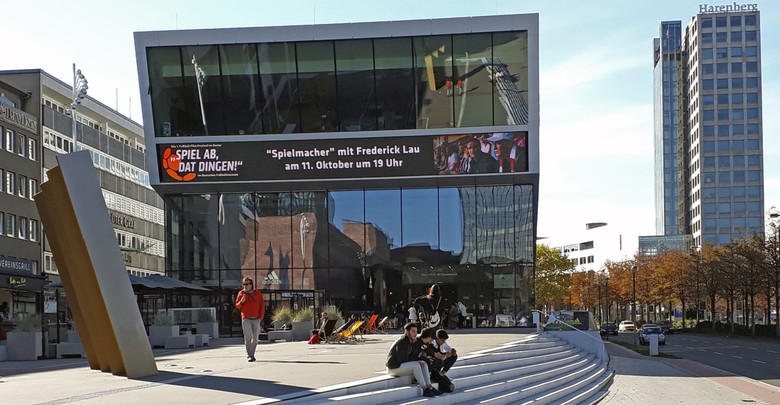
(709, 177)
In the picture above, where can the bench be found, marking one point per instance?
(180, 342)
(286, 335)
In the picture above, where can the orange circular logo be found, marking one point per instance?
(171, 162)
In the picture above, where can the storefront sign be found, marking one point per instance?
(301, 294)
(727, 8)
(14, 281)
(324, 159)
(18, 117)
(10, 263)
(123, 221)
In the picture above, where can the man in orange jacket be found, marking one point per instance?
(250, 302)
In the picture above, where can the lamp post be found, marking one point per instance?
(79, 92)
(633, 293)
(606, 297)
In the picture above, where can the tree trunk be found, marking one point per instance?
(682, 303)
(712, 311)
(752, 315)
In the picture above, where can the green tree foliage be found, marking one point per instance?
(553, 277)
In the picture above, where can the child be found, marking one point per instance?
(315, 337)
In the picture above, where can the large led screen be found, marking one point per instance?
(323, 159)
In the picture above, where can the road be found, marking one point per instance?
(759, 360)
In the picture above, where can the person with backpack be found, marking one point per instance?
(250, 302)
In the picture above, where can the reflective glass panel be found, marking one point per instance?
(166, 85)
(472, 89)
(419, 214)
(395, 83)
(355, 81)
(203, 89)
(510, 78)
(279, 88)
(433, 62)
(317, 86)
(347, 233)
(241, 86)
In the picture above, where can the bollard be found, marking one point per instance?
(652, 342)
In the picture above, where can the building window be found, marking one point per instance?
(34, 230)
(32, 151)
(10, 182)
(706, 22)
(720, 22)
(22, 184)
(10, 225)
(736, 36)
(23, 224)
(21, 145)
(750, 36)
(33, 188)
(2, 223)
(750, 20)
(10, 140)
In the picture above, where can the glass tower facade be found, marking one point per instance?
(720, 128)
(351, 167)
(666, 86)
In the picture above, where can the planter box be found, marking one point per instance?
(157, 334)
(208, 328)
(302, 330)
(24, 345)
(73, 337)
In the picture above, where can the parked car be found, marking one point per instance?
(626, 326)
(651, 329)
(666, 327)
(608, 328)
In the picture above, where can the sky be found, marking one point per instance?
(596, 75)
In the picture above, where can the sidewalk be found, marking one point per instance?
(650, 380)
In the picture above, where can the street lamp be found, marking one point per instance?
(606, 297)
(633, 293)
(79, 92)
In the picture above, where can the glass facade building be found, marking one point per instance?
(720, 168)
(354, 163)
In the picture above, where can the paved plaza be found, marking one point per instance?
(220, 374)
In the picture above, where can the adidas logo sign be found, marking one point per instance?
(272, 278)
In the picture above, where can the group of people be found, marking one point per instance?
(487, 153)
(432, 310)
(428, 357)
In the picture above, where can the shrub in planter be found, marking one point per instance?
(303, 323)
(282, 315)
(163, 326)
(25, 342)
(207, 324)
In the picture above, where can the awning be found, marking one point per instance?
(175, 284)
(153, 282)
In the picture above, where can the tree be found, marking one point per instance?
(553, 277)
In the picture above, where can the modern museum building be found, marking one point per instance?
(349, 164)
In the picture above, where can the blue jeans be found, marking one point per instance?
(251, 328)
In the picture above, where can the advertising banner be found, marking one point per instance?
(324, 159)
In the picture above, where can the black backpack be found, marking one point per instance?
(445, 384)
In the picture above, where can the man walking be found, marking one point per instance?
(250, 302)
